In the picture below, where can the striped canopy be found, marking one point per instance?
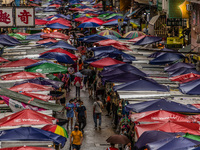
(110, 32)
(133, 34)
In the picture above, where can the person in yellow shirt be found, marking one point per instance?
(77, 138)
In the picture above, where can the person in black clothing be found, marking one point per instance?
(81, 116)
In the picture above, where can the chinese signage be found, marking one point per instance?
(6, 17)
(18, 17)
(174, 40)
(177, 9)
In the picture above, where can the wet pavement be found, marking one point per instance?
(92, 139)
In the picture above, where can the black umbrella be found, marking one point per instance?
(118, 139)
(88, 72)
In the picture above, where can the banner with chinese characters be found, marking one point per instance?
(17, 17)
(24, 16)
(6, 17)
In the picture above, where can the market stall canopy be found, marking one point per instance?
(17, 36)
(62, 44)
(81, 19)
(110, 32)
(152, 136)
(57, 35)
(95, 20)
(42, 81)
(137, 38)
(47, 68)
(22, 75)
(141, 85)
(40, 22)
(59, 20)
(19, 63)
(39, 63)
(190, 88)
(148, 40)
(56, 129)
(31, 134)
(166, 58)
(88, 25)
(59, 57)
(26, 117)
(37, 96)
(178, 65)
(113, 23)
(172, 143)
(26, 100)
(35, 36)
(185, 77)
(6, 39)
(3, 59)
(185, 127)
(159, 116)
(57, 26)
(22, 33)
(133, 34)
(192, 136)
(60, 50)
(95, 38)
(126, 68)
(25, 148)
(105, 62)
(158, 53)
(161, 104)
(103, 48)
(182, 71)
(46, 41)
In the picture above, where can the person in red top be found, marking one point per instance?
(108, 102)
(112, 147)
(77, 83)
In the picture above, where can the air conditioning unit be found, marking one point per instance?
(198, 38)
(189, 7)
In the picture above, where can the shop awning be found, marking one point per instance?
(154, 19)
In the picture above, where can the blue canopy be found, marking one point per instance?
(178, 65)
(5, 42)
(31, 134)
(103, 48)
(166, 58)
(119, 17)
(191, 88)
(113, 23)
(148, 40)
(152, 136)
(50, 9)
(111, 37)
(161, 104)
(182, 71)
(172, 143)
(62, 44)
(124, 77)
(57, 26)
(38, 63)
(141, 85)
(34, 36)
(88, 25)
(156, 54)
(95, 38)
(60, 57)
(9, 38)
(90, 60)
(123, 67)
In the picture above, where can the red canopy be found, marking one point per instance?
(30, 87)
(110, 20)
(26, 117)
(98, 5)
(137, 38)
(55, 5)
(81, 19)
(75, 9)
(46, 41)
(55, 35)
(185, 77)
(38, 96)
(22, 33)
(105, 62)
(196, 105)
(95, 20)
(3, 59)
(61, 21)
(25, 148)
(40, 22)
(114, 43)
(159, 116)
(20, 63)
(60, 50)
(191, 128)
(22, 75)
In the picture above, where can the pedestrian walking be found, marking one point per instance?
(70, 112)
(108, 103)
(77, 83)
(112, 147)
(97, 107)
(81, 115)
(77, 137)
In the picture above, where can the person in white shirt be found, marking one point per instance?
(97, 107)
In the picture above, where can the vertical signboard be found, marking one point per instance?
(6, 17)
(24, 17)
